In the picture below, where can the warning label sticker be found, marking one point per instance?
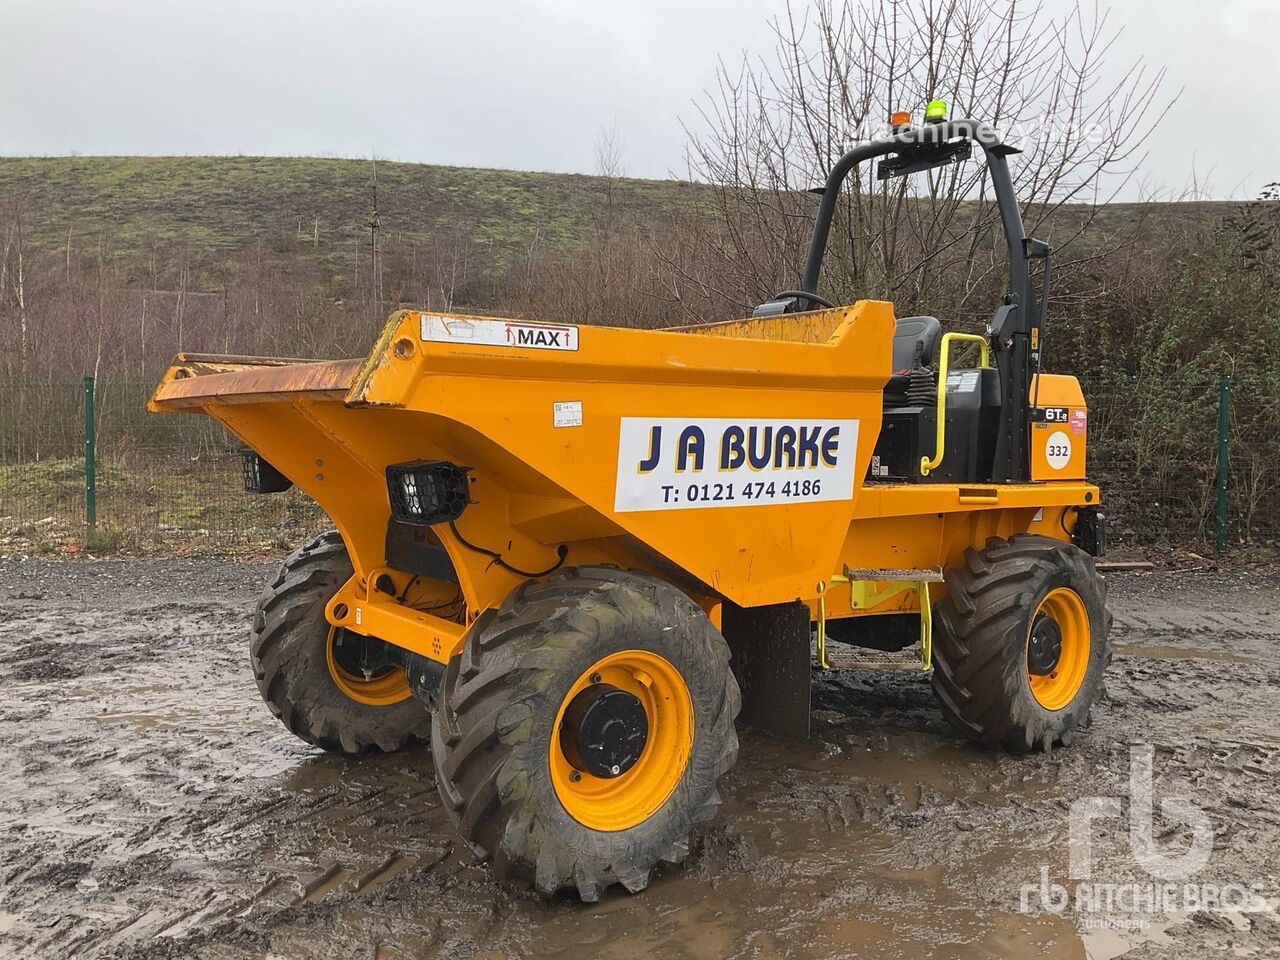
(674, 463)
(567, 413)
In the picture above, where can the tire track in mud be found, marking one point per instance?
(154, 808)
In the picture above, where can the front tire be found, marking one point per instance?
(1019, 658)
(305, 671)
(504, 733)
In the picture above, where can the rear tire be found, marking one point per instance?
(497, 729)
(289, 649)
(983, 677)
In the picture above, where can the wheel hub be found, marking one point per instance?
(604, 731)
(366, 658)
(596, 731)
(365, 669)
(1044, 646)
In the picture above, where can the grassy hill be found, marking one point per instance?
(323, 205)
(221, 204)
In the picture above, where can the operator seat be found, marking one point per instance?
(908, 332)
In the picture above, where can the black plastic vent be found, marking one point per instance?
(427, 492)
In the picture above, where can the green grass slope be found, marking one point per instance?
(220, 204)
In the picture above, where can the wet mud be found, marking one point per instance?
(151, 807)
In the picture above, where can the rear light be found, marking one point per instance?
(426, 492)
(262, 477)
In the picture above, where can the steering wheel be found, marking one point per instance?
(805, 295)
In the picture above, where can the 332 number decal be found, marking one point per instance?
(1057, 450)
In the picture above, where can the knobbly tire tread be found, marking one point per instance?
(287, 650)
(492, 726)
(979, 652)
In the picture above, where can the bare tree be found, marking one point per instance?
(451, 254)
(20, 292)
(773, 127)
(609, 168)
(608, 153)
(375, 263)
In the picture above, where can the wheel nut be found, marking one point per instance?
(615, 769)
(574, 776)
(595, 678)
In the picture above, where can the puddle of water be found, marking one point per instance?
(1017, 936)
(316, 889)
(1107, 944)
(149, 688)
(176, 720)
(807, 892)
(912, 769)
(371, 880)
(920, 875)
(849, 932)
(316, 775)
(138, 719)
(1157, 652)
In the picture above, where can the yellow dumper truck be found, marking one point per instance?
(568, 556)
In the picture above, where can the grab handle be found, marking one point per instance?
(931, 463)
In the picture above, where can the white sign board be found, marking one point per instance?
(678, 463)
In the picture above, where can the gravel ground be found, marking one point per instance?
(152, 807)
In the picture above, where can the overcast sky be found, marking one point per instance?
(526, 85)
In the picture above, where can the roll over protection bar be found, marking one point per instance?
(1014, 330)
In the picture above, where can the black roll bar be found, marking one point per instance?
(1014, 332)
(928, 134)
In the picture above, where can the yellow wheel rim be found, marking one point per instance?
(1057, 688)
(620, 802)
(384, 688)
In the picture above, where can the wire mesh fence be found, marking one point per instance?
(158, 499)
(162, 483)
(172, 484)
(1154, 450)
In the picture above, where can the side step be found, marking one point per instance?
(894, 575)
(863, 659)
(865, 593)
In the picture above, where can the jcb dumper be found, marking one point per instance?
(568, 555)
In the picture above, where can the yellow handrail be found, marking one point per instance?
(931, 463)
(926, 626)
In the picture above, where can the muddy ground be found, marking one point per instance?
(150, 806)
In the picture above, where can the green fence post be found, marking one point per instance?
(90, 479)
(1224, 422)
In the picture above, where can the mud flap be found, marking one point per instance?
(771, 661)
